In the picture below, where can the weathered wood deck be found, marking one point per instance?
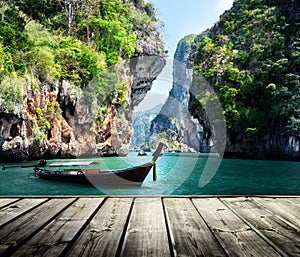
(154, 226)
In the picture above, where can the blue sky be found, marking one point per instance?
(181, 18)
(184, 17)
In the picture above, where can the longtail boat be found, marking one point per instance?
(86, 173)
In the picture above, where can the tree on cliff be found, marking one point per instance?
(71, 7)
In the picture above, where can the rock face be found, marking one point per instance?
(251, 59)
(144, 69)
(148, 60)
(141, 126)
(73, 131)
(174, 124)
(57, 120)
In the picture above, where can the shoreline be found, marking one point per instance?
(227, 156)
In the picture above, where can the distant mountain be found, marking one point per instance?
(141, 125)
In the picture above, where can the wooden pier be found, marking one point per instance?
(153, 226)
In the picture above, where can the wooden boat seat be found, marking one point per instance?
(91, 171)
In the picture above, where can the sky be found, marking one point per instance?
(181, 18)
(184, 17)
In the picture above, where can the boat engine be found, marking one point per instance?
(42, 163)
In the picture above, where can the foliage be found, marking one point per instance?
(39, 113)
(294, 125)
(42, 45)
(11, 97)
(39, 135)
(106, 88)
(102, 36)
(40, 10)
(78, 62)
(252, 62)
(169, 137)
(43, 63)
(53, 109)
(113, 38)
(39, 35)
(12, 25)
(42, 127)
(12, 36)
(7, 66)
(111, 31)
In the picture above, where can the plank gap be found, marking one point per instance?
(169, 234)
(21, 213)
(10, 251)
(122, 239)
(7, 202)
(80, 231)
(146, 234)
(191, 235)
(209, 228)
(101, 236)
(281, 210)
(258, 232)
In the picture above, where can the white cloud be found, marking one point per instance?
(223, 5)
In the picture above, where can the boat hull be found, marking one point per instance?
(129, 177)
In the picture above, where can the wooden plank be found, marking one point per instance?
(13, 210)
(283, 237)
(16, 232)
(62, 226)
(103, 233)
(55, 237)
(189, 234)
(6, 201)
(236, 237)
(286, 208)
(293, 199)
(147, 233)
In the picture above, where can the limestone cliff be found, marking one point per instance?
(55, 119)
(174, 124)
(147, 62)
(248, 62)
(251, 59)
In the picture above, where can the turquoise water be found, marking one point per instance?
(183, 174)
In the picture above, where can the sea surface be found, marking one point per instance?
(177, 174)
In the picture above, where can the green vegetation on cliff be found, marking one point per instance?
(251, 57)
(67, 77)
(70, 40)
(45, 45)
